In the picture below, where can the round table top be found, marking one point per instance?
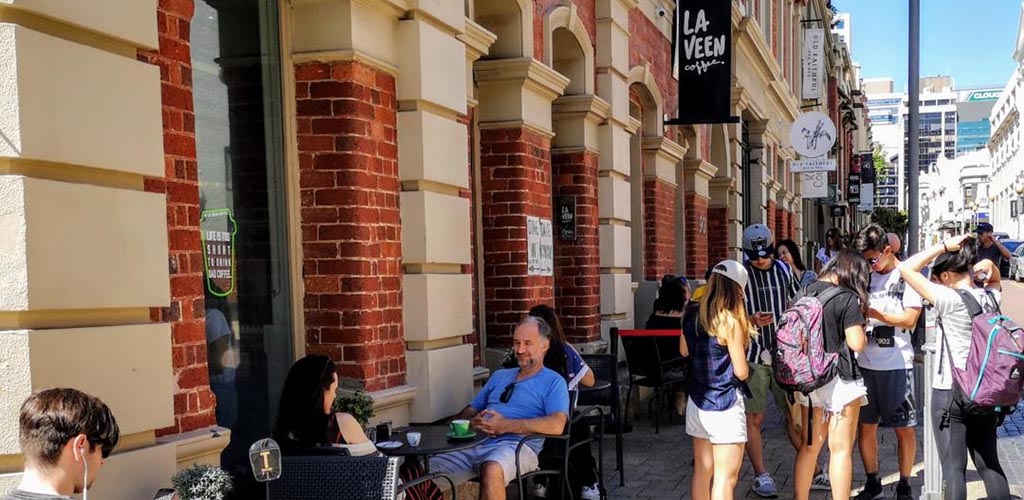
(433, 441)
(599, 385)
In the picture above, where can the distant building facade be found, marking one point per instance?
(973, 108)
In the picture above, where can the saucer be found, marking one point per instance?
(390, 445)
(452, 435)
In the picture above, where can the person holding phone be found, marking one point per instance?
(770, 288)
(887, 362)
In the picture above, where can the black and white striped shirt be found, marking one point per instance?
(768, 291)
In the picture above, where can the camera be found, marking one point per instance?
(660, 12)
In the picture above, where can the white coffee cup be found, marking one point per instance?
(413, 438)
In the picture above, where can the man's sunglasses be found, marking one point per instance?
(506, 395)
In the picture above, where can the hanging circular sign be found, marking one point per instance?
(813, 134)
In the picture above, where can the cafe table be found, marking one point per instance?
(433, 441)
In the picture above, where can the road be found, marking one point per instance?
(1011, 435)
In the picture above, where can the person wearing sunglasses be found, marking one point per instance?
(833, 245)
(887, 362)
(528, 399)
(66, 436)
(770, 288)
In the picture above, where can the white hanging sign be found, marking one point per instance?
(814, 185)
(814, 58)
(813, 134)
(540, 248)
(813, 165)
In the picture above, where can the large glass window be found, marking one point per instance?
(236, 82)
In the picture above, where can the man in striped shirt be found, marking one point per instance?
(769, 291)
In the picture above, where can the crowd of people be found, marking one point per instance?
(861, 309)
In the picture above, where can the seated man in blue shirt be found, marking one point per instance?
(515, 402)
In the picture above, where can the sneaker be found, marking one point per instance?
(591, 493)
(871, 491)
(539, 491)
(903, 492)
(821, 482)
(764, 486)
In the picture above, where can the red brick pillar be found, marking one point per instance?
(659, 228)
(577, 265)
(515, 165)
(194, 403)
(351, 227)
(718, 235)
(696, 234)
(782, 224)
(770, 220)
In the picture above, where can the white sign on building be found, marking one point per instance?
(540, 249)
(813, 165)
(815, 185)
(814, 58)
(813, 134)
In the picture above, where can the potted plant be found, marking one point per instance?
(202, 482)
(358, 404)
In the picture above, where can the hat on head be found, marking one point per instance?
(758, 241)
(732, 270)
(984, 227)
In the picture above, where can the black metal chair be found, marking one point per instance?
(605, 367)
(650, 367)
(328, 475)
(562, 472)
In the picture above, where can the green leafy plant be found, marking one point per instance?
(891, 220)
(359, 404)
(202, 482)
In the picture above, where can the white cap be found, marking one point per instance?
(732, 270)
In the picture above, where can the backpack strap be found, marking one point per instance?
(973, 307)
(829, 294)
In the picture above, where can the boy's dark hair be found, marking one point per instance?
(871, 237)
(52, 417)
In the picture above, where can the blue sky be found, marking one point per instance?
(972, 40)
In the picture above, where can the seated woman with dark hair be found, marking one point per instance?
(305, 420)
(673, 296)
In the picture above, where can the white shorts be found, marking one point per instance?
(720, 427)
(835, 395)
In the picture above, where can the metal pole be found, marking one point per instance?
(914, 83)
(932, 488)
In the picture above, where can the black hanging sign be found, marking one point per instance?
(565, 214)
(703, 62)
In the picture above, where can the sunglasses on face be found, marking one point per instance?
(506, 395)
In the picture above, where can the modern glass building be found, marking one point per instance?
(973, 127)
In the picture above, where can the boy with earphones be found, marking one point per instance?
(65, 436)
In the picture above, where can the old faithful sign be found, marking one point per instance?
(703, 62)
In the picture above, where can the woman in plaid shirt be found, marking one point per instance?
(716, 333)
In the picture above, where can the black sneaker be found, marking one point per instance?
(903, 492)
(872, 490)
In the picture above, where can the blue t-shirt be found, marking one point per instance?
(576, 366)
(538, 396)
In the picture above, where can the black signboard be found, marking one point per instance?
(703, 62)
(867, 170)
(565, 214)
(838, 211)
(1014, 208)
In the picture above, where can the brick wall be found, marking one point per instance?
(585, 9)
(770, 219)
(718, 235)
(659, 229)
(194, 403)
(648, 44)
(351, 233)
(577, 265)
(515, 165)
(696, 209)
(782, 224)
(792, 226)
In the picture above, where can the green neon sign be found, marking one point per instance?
(217, 233)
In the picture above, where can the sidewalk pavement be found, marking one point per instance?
(659, 466)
